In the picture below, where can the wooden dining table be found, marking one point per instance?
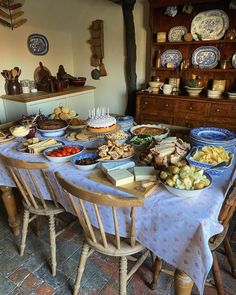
(175, 229)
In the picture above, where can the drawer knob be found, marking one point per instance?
(190, 108)
(189, 125)
(217, 110)
(166, 105)
(146, 102)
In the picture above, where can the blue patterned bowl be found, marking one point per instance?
(205, 166)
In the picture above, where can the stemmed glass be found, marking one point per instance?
(20, 131)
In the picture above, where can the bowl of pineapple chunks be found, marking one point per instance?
(207, 157)
(185, 180)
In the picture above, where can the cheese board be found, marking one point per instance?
(135, 188)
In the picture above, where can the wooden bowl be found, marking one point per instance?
(80, 81)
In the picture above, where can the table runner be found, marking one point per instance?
(175, 229)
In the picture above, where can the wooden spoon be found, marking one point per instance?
(14, 73)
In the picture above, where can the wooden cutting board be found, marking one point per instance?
(133, 188)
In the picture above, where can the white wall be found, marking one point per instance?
(66, 25)
(111, 90)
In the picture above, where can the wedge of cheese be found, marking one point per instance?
(145, 173)
(37, 148)
(120, 177)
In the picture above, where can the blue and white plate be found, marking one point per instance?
(38, 44)
(176, 33)
(209, 25)
(213, 134)
(234, 60)
(206, 57)
(171, 56)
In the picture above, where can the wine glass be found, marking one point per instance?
(20, 131)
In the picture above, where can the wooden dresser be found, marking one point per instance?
(185, 111)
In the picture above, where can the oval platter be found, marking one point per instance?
(171, 56)
(176, 33)
(209, 25)
(234, 60)
(38, 44)
(206, 57)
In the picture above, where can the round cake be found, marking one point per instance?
(101, 124)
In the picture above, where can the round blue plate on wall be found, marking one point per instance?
(38, 44)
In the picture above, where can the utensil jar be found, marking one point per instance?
(12, 87)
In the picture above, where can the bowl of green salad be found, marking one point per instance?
(141, 142)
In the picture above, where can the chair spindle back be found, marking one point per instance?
(100, 199)
(16, 168)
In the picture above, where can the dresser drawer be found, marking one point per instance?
(192, 107)
(154, 106)
(222, 110)
(188, 123)
(147, 119)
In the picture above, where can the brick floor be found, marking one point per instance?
(30, 274)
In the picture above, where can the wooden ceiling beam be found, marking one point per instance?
(165, 3)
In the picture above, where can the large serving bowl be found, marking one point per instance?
(82, 156)
(193, 91)
(78, 82)
(62, 159)
(205, 166)
(56, 132)
(184, 192)
(134, 131)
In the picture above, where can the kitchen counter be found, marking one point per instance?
(43, 95)
(79, 99)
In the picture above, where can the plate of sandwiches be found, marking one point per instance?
(37, 146)
(5, 136)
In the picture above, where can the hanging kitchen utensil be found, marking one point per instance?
(97, 47)
(8, 17)
(102, 69)
(95, 74)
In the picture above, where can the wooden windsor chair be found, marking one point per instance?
(36, 206)
(97, 239)
(225, 216)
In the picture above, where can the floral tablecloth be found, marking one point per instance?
(175, 229)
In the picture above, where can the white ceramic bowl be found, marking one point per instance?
(192, 91)
(85, 155)
(61, 159)
(213, 93)
(232, 95)
(53, 133)
(158, 137)
(187, 193)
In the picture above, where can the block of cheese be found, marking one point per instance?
(120, 177)
(145, 173)
(106, 167)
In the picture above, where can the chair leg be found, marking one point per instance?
(24, 231)
(157, 265)
(80, 271)
(123, 275)
(217, 275)
(52, 244)
(229, 254)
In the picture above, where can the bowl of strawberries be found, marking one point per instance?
(62, 154)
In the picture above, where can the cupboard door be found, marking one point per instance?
(45, 106)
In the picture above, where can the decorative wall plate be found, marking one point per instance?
(176, 33)
(234, 60)
(209, 25)
(38, 44)
(171, 56)
(206, 57)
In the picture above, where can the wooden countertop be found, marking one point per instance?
(43, 95)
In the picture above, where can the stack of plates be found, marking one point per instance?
(125, 122)
(232, 95)
(213, 136)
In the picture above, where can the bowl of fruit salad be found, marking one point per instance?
(62, 154)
